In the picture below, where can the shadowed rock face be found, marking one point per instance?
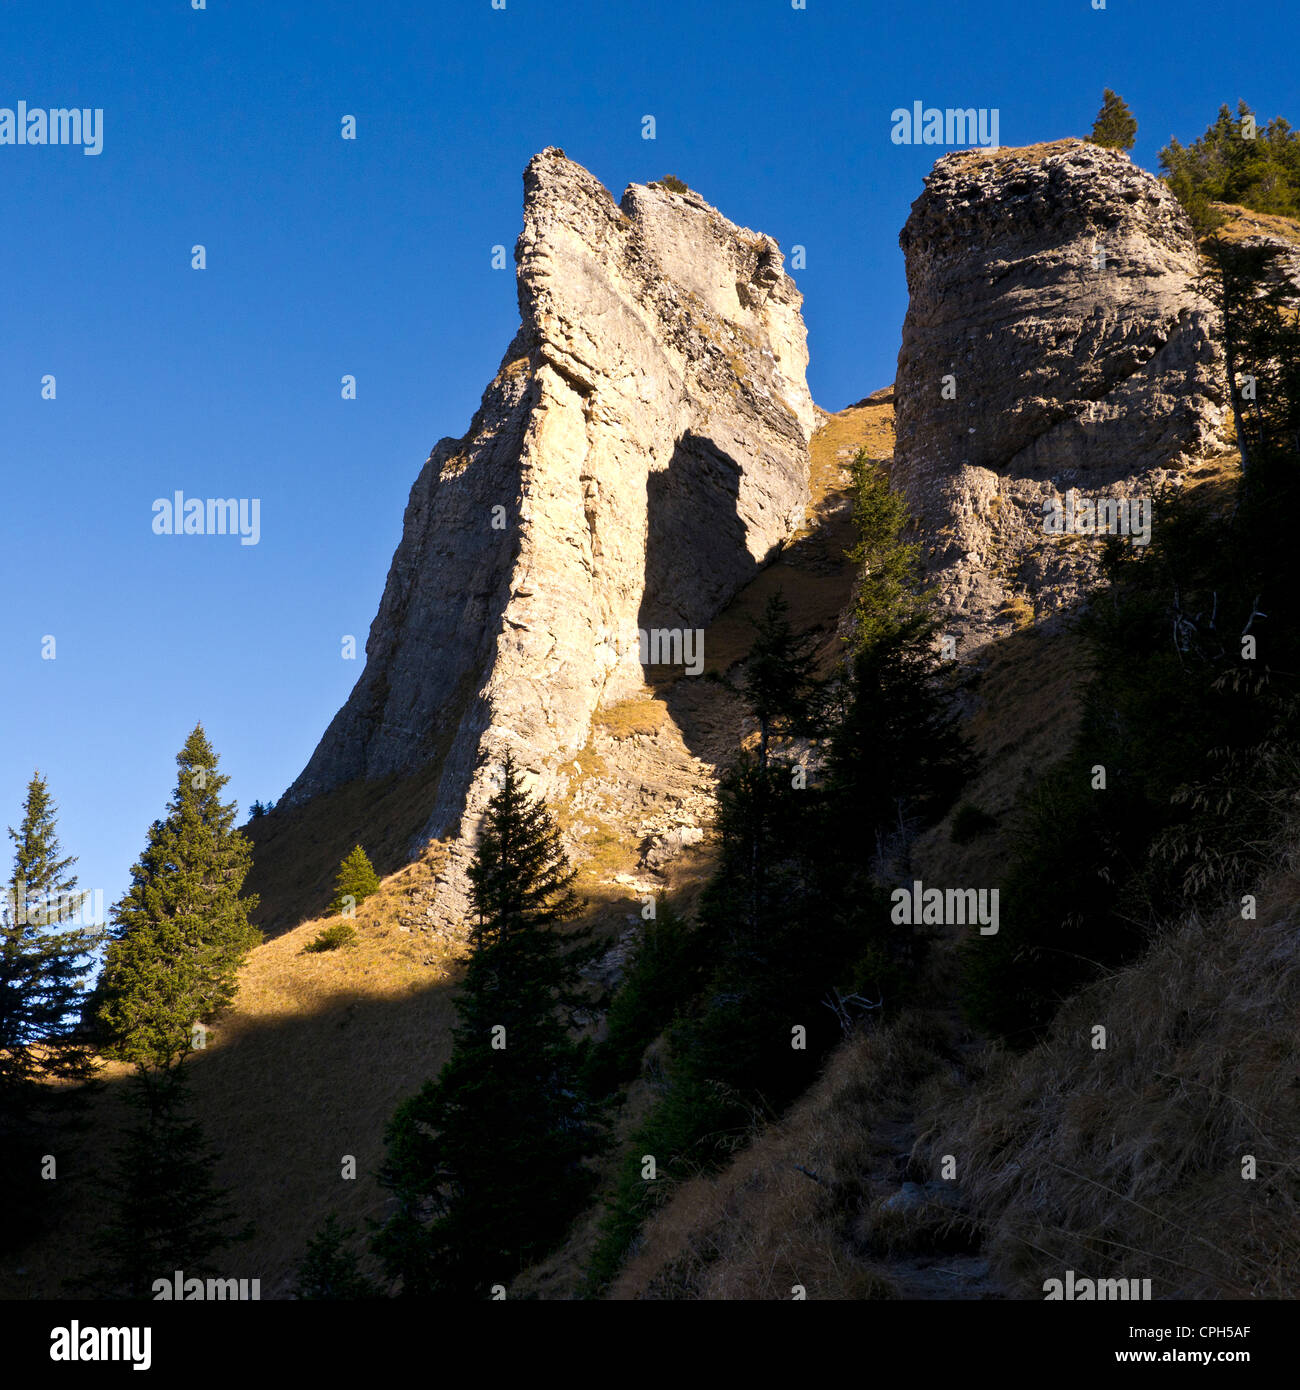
(1056, 286)
(642, 450)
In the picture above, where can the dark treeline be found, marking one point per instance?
(1255, 164)
(794, 941)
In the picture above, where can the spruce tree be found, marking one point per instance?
(46, 953)
(181, 931)
(1229, 164)
(42, 968)
(356, 881)
(486, 1161)
(778, 683)
(889, 588)
(1115, 127)
(165, 1211)
(329, 1270)
(898, 759)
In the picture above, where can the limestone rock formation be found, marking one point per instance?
(1055, 339)
(641, 452)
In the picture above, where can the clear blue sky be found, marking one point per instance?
(372, 257)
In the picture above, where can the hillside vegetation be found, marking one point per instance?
(757, 1079)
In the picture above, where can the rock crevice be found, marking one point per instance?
(641, 452)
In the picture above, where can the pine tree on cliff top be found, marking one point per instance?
(1115, 127)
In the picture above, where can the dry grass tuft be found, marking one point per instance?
(1243, 223)
(1127, 1162)
(635, 716)
(1020, 154)
(763, 1226)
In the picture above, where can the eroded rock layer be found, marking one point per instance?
(1055, 339)
(641, 452)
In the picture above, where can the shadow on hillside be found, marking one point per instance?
(283, 1100)
(297, 851)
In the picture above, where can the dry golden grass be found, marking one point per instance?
(762, 1226)
(1215, 481)
(867, 425)
(628, 718)
(1023, 154)
(1127, 1162)
(1243, 223)
(307, 1068)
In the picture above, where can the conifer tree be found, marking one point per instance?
(778, 683)
(1238, 160)
(1115, 127)
(181, 930)
(486, 1161)
(898, 759)
(164, 1209)
(46, 953)
(42, 968)
(329, 1270)
(356, 881)
(889, 588)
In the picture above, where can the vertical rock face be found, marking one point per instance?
(642, 450)
(1054, 288)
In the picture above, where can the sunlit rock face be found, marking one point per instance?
(1055, 339)
(641, 452)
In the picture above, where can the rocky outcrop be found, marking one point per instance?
(1054, 340)
(641, 452)
(1263, 231)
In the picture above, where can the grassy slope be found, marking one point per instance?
(307, 1068)
(1118, 1163)
(320, 1048)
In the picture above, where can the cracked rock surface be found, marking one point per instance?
(641, 452)
(1055, 288)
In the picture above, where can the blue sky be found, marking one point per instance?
(373, 257)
